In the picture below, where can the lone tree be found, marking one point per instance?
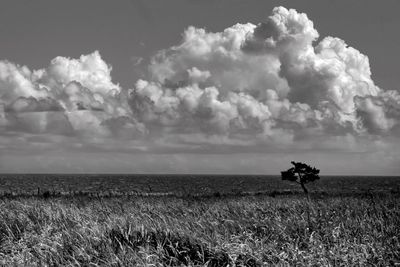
(302, 174)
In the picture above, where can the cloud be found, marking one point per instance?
(285, 30)
(45, 122)
(379, 114)
(265, 81)
(271, 86)
(91, 71)
(69, 97)
(31, 104)
(16, 81)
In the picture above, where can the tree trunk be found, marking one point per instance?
(304, 188)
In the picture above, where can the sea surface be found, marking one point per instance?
(186, 184)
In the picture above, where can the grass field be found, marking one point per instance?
(257, 230)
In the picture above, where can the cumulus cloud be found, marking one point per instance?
(16, 81)
(69, 97)
(264, 85)
(270, 82)
(91, 71)
(379, 114)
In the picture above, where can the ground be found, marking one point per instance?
(218, 230)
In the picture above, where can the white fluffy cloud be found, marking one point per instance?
(89, 70)
(264, 81)
(16, 81)
(379, 114)
(70, 96)
(270, 83)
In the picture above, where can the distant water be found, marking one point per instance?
(191, 184)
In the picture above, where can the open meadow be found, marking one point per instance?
(237, 229)
(138, 133)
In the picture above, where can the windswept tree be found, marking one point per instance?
(302, 174)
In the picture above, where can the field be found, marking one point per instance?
(249, 221)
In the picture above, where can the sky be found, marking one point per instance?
(199, 86)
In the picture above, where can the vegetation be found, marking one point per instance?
(247, 230)
(302, 174)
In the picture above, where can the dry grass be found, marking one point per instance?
(216, 231)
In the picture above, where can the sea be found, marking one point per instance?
(205, 184)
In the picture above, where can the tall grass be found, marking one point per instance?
(217, 231)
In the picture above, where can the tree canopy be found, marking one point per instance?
(301, 173)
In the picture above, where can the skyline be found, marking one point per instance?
(150, 87)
